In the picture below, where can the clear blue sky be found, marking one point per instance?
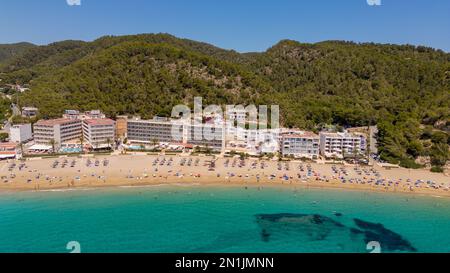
(243, 25)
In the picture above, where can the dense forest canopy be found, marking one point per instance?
(405, 90)
(10, 51)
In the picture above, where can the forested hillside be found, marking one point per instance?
(9, 51)
(405, 90)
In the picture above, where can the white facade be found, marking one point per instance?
(99, 133)
(340, 145)
(29, 112)
(163, 130)
(20, 133)
(301, 145)
(75, 114)
(206, 135)
(58, 130)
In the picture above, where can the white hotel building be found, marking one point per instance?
(341, 144)
(20, 133)
(301, 145)
(164, 130)
(58, 130)
(99, 133)
(157, 130)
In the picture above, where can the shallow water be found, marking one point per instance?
(212, 219)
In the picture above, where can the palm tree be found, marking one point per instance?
(53, 143)
(108, 142)
(154, 142)
(21, 148)
(81, 140)
(208, 150)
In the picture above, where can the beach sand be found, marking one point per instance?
(140, 170)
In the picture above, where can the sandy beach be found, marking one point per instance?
(142, 170)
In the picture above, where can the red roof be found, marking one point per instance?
(53, 122)
(99, 121)
(8, 152)
(7, 145)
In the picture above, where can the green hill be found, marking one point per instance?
(8, 51)
(405, 90)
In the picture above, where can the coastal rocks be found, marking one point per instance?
(319, 229)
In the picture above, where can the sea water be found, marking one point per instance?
(199, 219)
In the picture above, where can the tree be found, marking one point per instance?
(154, 142)
(3, 137)
(81, 140)
(53, 143)
(108, 142)
(439, 154)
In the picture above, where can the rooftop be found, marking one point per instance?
(341, 134)
(100, 121)
(29, 109)
(53, 122)
(304, 134)
(7, 145)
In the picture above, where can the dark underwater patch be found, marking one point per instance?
(388, 239)
(315, 227)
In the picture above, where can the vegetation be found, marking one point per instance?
(402, 89)
(3, 137)
(10, 51)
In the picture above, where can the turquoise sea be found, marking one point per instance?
(210, 219)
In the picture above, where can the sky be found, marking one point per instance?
(242, 25)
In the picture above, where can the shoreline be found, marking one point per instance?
(140, 171)
(193, 183)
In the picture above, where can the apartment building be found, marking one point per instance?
(20, 133)
(301, 145)
(164, 130)
(343, 144)
(206, 135)
(252, 141)
(29, 112)
(236, 114)
(99, 133)
(75, 114)
(71, 114)
(58, 130)
(150, 131)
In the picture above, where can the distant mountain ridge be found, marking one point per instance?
(8, 51)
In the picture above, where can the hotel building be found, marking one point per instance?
(252, 141)
(149, 131)
(75, 114)
(20, 133)
(340, 145)
(58, 130)
(164, 130)
(99, 133)
(301, 145)
(206, 135)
